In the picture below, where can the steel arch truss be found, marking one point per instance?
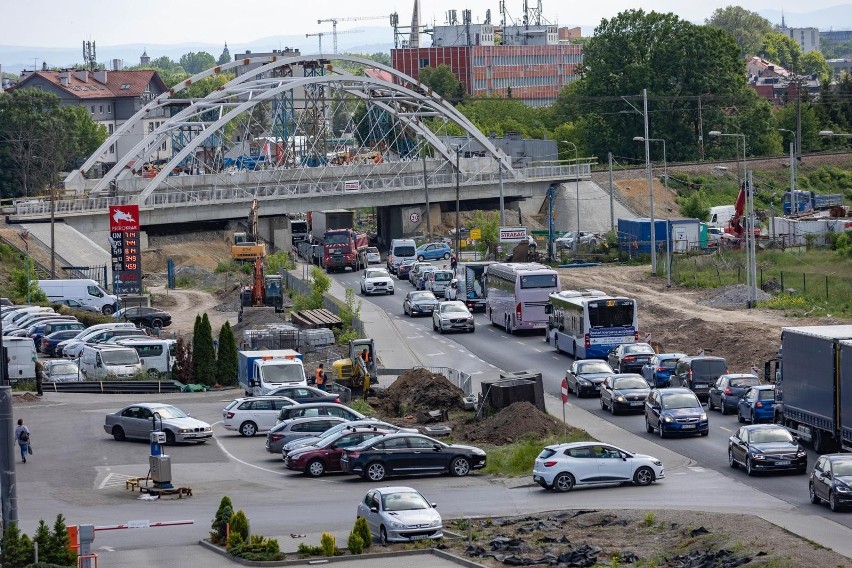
(300, 121)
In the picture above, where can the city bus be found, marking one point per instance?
(517, 294)
(588, 324)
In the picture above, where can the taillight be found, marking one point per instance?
(337, 400)
(758, 404)
(728, 391)
(587, 341)
(275, 437)
(550, 464)
(519, 312)
(229, 415)
(660, 369)
(352, 455)
(629, 358)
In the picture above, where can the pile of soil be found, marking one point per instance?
(419, 390)
(511, 424)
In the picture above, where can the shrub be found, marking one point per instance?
(235, 540)
(182, 370)
(220, 521)
(363, 530)
(204, 360)
(328, 544)
(60, 553)
(355, 543)
(226, 358)
(308, 550)
(239, 524)
(257, 548)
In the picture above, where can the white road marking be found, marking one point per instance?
(475, 373)
(725, 429)
(114, 480)
(697, 469)
(536, 350)
(557, 358)
(435, 354)
(413, 336)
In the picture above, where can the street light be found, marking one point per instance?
(793, 206)
(668, 227)
(650, 175)
(577, 160)
(831, 133)
(751, 257)
(457, 149)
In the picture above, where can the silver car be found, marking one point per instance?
(452, 316)
(61, 371)
(137, 420)
(293, 430)
(311, 440)
(400, 514)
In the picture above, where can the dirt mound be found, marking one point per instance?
(421, 390)
(513, 423)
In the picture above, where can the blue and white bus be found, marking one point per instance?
(588, 324)
(517, 294)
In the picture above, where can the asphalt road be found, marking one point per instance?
(495, 350)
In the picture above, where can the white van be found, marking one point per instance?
(22, 357)
(158, 355)
(109, 362)
(18, 314)
(720, 215)
(87, 292)
(400, 249)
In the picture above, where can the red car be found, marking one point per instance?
(317, 460)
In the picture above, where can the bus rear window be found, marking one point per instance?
(538, 281)
(610, 316)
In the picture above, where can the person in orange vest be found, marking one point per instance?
(320, 377)
(365, 355)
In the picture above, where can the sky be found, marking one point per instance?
(63, 23)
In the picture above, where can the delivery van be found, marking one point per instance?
(400, 249)
(109, 362)
(21, 352)
(158, 355)
(87, 292)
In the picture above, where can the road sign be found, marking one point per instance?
(414, 217)
(564, 391)
(476, 234)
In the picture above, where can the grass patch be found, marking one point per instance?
(362, 406)
(517, 459)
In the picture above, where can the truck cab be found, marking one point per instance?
(261, 372)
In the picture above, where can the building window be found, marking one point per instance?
(93, 109)
(109, 109)
(112, 149)
(423, 62)
(150, 127)
(110, 128)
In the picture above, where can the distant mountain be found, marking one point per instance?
(834, 18)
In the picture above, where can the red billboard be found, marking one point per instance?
(123, 218)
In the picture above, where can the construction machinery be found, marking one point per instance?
(247, 246)
(265, 291)
(319, 35)
(358, 372)
(351, 19)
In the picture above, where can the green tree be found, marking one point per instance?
(783, 50)
(442, 80)
(220, 521)
(814, 63)
(747, 28)
(20, 281)
(193, 62)
(42, 538)
(501, 115)
(488, 223)
(787, 116)
(60, 551)
(320, 283)
(695, 207)
(183, 369)
(204, 355)
(227, 358)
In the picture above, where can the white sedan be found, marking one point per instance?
(373, 256)
(452, 316)
(400, 514)
(376, 281)
(565, 466)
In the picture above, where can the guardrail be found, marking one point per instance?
(114, 387)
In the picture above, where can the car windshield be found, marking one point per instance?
(120, 357)
(378, 273)
(408, 501)
(166, 412)
(630, 383)
(443, 276)
(766, 394)
(638, 348)
(423, 296)
(63, 369)
(453, 308)
(372, 250)
(745, 382)
(771, 436)
(289, 373)
(680, 400)
(593, 367)
(842, 467)
(403, 251)
(667, 363)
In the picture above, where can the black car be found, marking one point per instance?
(626, 392)
(403, 269)
(305, 394)
(831, 480)
(148, 317)
(630, 357)
(726, 392)
(49, 342)
(585, 376)
(419, 303)
(402, 454)
(766, 447)
(698, 373)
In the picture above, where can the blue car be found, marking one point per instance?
(658, 371)
(433, 251)
(675, 411)
(757, 405)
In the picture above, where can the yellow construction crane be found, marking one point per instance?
(319, 35)
(334, 26)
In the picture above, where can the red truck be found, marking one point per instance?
(340, 249)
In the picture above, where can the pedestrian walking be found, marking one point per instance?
(320, 378)
(453, 262)
(39, 371)
(22, 436)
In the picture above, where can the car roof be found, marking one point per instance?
(837, 457)
(739, 376)
(302, 419)
(571, 445)
(671, 355)
(394, 489)
(764, 387)
(315, 404)
(752, 427)
(674, 390)
(628, 375)
(704, 358)
(149, 405)
(263, 397)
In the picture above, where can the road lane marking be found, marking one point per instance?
(537, 350)
(114, 480)
(725, 429)
(435, 354)
(414, 337)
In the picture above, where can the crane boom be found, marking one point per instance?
(319, 35)
(348, 19)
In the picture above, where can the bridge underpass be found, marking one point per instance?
(297, 134)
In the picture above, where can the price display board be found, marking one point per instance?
(125, 249)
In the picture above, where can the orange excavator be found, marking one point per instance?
(265, 291)
(735, 226)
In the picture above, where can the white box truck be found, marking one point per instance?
(260, 372)
(86, 291)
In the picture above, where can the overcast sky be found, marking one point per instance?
(65, 23)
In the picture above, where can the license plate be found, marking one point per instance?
(688, 427)
(636, 403)
(418, 537)
(782, 462)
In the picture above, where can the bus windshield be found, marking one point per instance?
(610, 316)
(538, 281)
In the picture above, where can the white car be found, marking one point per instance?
(438, 281)
(565, 466)
(452, 316)
(567, 240)
(376, 281)
(253, 414)
(373, 256)
(400, 514)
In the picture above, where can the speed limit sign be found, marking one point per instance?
(414, 217)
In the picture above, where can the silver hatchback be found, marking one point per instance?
(291, 430)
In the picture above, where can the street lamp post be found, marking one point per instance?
(793, 173)
(577, 161)
(751, 245)
(426, 190)
(668, 226)
(457, 148)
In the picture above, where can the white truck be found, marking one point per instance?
(260, 372)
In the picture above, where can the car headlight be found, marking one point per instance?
(668, 419)
(185, 430)
(801, 454)
(842, 488)
(619, 398)
(583, 381)
(396, 525)
(435, 523)
(657, 463)
(703, 416)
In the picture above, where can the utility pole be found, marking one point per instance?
(611, 204)
(650, 184)
(426, 189)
